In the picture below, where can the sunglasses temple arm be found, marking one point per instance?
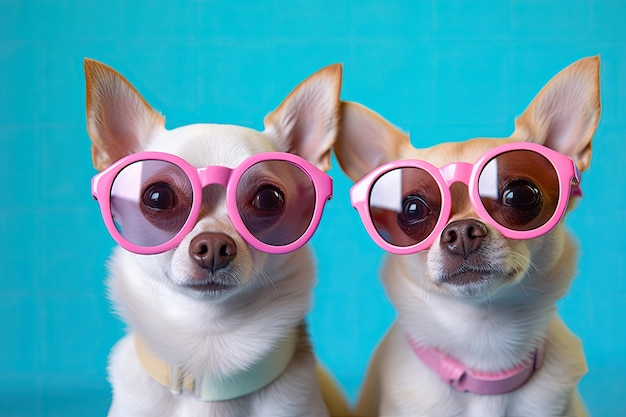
(94, 186)
(577, 191)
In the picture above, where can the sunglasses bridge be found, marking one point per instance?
(457, 172)
(214, 174)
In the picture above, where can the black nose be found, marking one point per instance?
(212, 251)
(463, 237)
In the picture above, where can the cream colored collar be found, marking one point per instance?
(217, 388)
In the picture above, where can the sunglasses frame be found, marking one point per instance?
(102, 183)
(568, 175)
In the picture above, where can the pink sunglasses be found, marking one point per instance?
(151, 200)
(522, 189)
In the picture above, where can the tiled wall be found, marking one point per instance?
(443, 70)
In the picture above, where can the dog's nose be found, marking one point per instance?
(463, 237)
(212, 251)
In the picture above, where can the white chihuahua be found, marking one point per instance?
(479, 259)
(211, 276)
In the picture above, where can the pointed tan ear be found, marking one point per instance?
(306, 122)
(565, 114)
(366, 140)
(119, 120)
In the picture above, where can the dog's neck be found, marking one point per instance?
(210, 387)
(488, 344)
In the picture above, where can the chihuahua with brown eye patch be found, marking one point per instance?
(212, 275)
(479, 256)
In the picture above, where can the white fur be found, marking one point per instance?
(494, 323)
(209, 333)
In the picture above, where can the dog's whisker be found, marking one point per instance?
(153, 288)
(532, 264)
(265, 278)
(523, 288)
(536, 268)
(490, 305)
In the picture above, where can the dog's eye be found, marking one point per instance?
(268, 198)
(414, 210)
(159, 196)
(522, 195)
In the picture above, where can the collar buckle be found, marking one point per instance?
(176, 377)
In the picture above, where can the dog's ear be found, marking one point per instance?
(366, 140)
(306, 122)
(119, 120)
(565, 114)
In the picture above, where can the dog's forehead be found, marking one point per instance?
(466, 151)
(212, 144)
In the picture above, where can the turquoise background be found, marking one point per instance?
(443, 70)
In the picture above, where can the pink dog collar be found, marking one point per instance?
(454, 373)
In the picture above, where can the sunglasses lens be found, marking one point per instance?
(405, 204)
(276, 201)
(150, 202)
(519, 189)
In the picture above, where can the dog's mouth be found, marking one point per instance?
(209, 287)
(468, 275)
